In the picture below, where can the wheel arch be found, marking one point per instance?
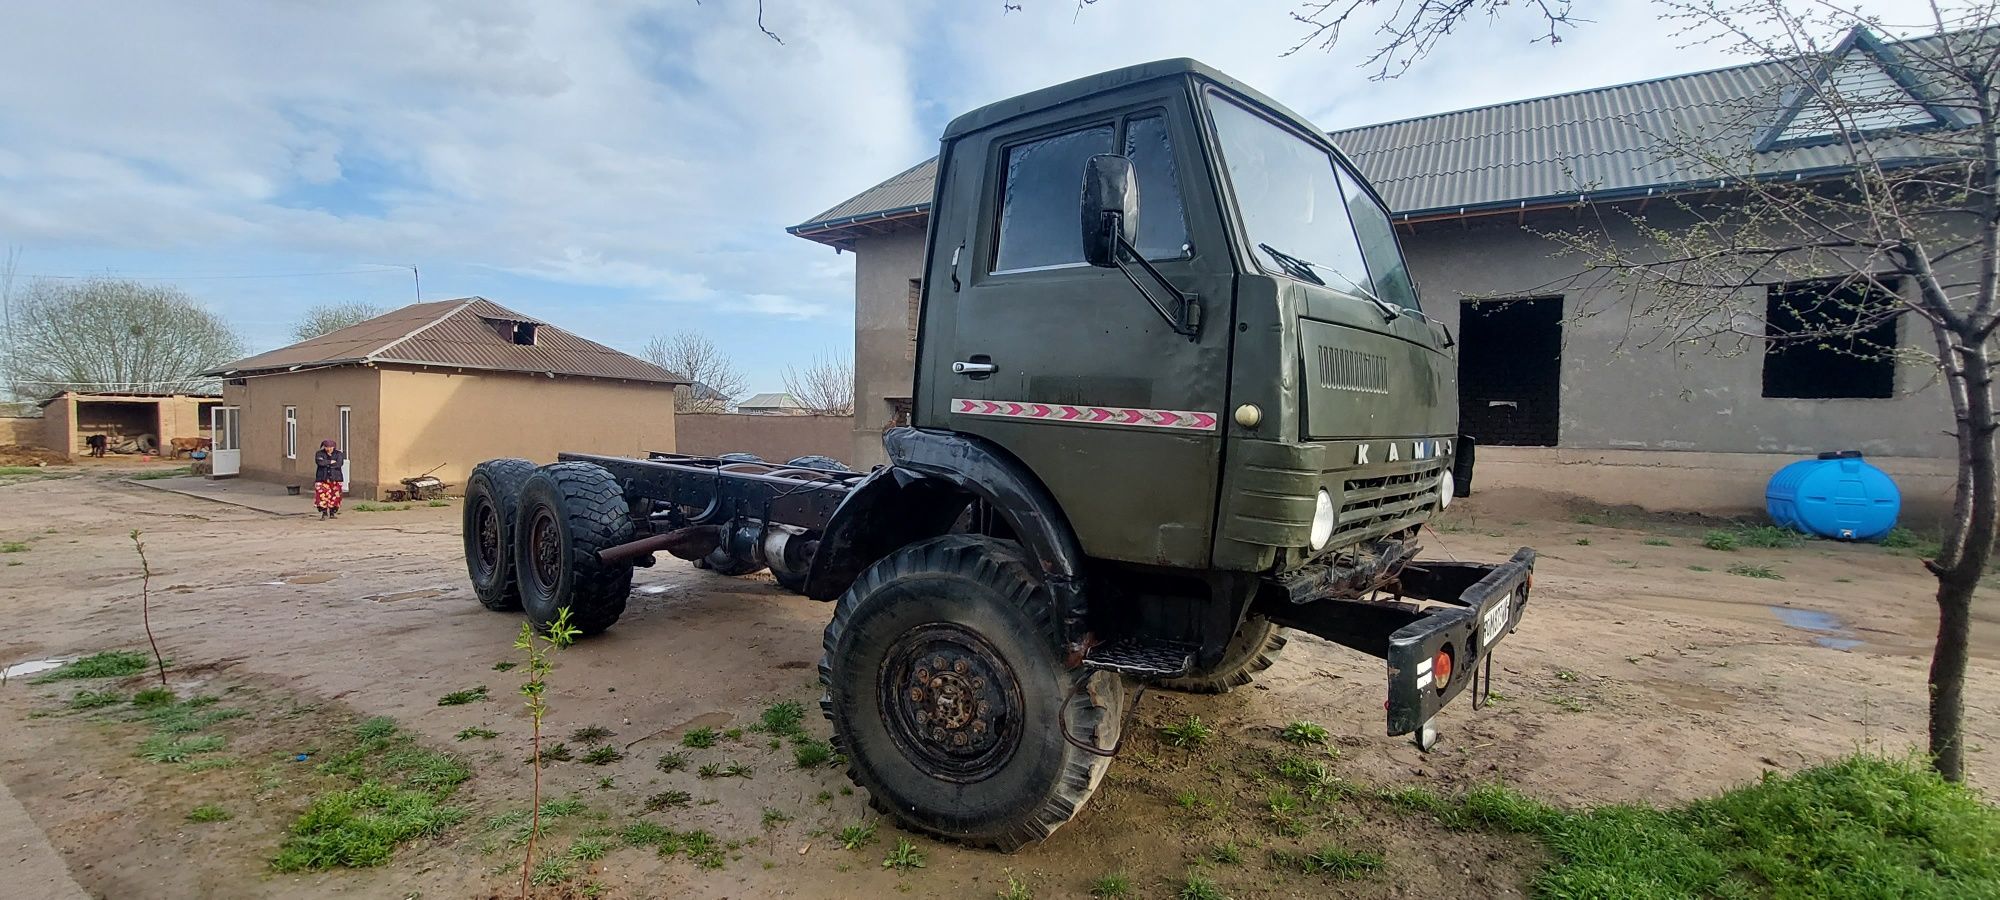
(931, 478)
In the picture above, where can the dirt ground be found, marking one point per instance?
(1644, 671)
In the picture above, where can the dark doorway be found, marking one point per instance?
(1510, 371)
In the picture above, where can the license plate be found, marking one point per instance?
(1493, 622)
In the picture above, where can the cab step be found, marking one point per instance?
(1142, 658)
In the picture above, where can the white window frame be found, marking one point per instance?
(291, 432)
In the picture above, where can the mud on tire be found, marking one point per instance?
(492, 497)
(568, 512)
(1253, 649)
(947, 691)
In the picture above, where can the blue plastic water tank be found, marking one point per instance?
(1839, 495)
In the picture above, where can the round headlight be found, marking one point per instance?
(1446, 487)
(1323, 516)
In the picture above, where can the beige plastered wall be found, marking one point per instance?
(775, 438)
(318, 396)
(450, 421)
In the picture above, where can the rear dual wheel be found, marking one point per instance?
(568, 512)
(492, 496)
(947, 691)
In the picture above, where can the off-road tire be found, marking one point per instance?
(1253, 649)
(568, 512)
(982, 592)
(492, 498)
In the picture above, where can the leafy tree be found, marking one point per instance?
(327, 317)
(111, 334)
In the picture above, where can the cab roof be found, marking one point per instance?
(1104, 82)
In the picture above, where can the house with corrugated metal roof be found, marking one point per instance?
(1556, 398)
(436, 388)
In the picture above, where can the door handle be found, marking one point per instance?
(974, 368)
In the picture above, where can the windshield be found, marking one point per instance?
(1295, 207)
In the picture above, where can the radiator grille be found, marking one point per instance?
(1341, 369)
(1369, 503)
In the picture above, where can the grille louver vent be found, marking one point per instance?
(1349, 370)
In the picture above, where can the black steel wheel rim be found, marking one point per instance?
(487, 536)
(547, 538)
(951, 703)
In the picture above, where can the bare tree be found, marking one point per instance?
(1906, 226)
(691, 355)
(1410, 29)
(329, 317)
(108, 334)
(826, 387)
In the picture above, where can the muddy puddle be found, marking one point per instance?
(33, 667)
(1827, 628)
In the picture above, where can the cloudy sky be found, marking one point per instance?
(622, 168)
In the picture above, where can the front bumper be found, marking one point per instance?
(1460, 610)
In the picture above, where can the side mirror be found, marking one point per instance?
(1110, 208)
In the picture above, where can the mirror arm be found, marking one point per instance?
(1185, 319)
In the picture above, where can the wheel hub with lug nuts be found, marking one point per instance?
(954, 705)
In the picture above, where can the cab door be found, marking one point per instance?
(1067, 366)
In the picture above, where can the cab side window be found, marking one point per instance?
(1162, 221)
(1040, 183)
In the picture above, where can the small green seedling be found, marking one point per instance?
(208, 812)
(672, 762)
(904, 857)
(603, 755)
(854, 837)
(1187, 733)
(1305, 734)
(467, 734)
(461, 698)
(1115, 884)
(699, 738)
(591, 734)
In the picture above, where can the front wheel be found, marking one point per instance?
(568, 512)
(947, 691)
(1253, 648)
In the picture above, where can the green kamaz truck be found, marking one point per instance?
(1175, 394)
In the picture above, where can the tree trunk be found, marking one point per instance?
(1968, 546)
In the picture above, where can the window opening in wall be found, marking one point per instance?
(1830, 339)
(1510, 371)
(291, 432)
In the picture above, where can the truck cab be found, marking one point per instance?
(1175, 395)
(1271, 350)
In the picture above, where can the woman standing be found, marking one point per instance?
(327, 478)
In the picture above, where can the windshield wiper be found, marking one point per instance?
(1293, 266)
(1390, 311)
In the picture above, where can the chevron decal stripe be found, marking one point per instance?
(1087, 415)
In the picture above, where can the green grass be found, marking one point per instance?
(1755, 572)
(1720, 540)
(1115, 884)
(667, 800)
(108, 664)
(466, 734)
(1700, 569)
(1226, 853)
(13, 547)
(1657, 542)
(170, 748)
(21, 470)
(724, 770)
(603, 755)
(504, 665)
(1016, 889)
(1332, 861)
(773, 817)
(397, 794)
(784, 719)
(672, 762)
(1189, 732)
(158, 474)
(854, 837)
(699, 738)
(153, 698)
(588, 849)
(591, 734)
(1583, 542)
(1199, 888)
(810, 753)
(553, 870)
(208, 812)
(380, 507)
(461, 698)
(1770, 537)
(438, 504)
(645, 834)
(1861, 826)
(95, 699)
(1904, 542)
(904, 857)
(1305, 733)
(188, 716)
